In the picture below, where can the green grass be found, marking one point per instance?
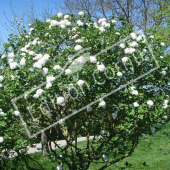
(154, 150)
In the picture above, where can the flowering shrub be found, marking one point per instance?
(89, 77)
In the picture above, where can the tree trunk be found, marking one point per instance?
(44, 141)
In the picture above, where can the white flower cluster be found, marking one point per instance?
(49, 79)
(62, 24)
(80, 82)
(81, 13)
(78, 47)
(165, 104)
(41, 61)
(57, 67)
(1, 78)
(61, 101)
(11, 61)
(150, 102)
(93, 59)
(17, 113)
(38, 93)
(1, 139)
(101, 67)
(1, 113)
(22, 62)
(102, 104)
(136, 104)
(133, 44)
(129, 50)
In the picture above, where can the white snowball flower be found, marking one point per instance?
(80, 82)
(133, 35)
(13, 65)
(62, 26)
(45, 70)
(1, 85)
(68, 71)
(39, 92)
(46, 57)
(150, 102)
(122, 45)
(11, 55)
(165, 106)
(22, 62)
(79, 41)
(56, 67)
(59, 15)
(162, 43)
(48, 20)
(2, 113)
(161, 57)
(93, 59)
(117, 33)
(135, 104)
(3, 56)
(17, 113)
(11, 60)
(31, 53)
(125, 59)
(37, 65)
(102, 104)
(54, 23)
(1, 78)
(60, 100)
(48, 85)
(166, 101)
(81, 13)
(102, 20)
(59, 167)
(107, 25)
(133, 44)
(101, 29)
(119, 74)
(163, 73)
(89, 109)
(101, 67)
(50, 78)
(113, 21)
(151, 36)
(36, 96)
(31, 29)
(114, 115)
(66, 16)
(1, 139)
(38, 56)
(133, 87)
(78, 47)
(80, 23)
(135, 92)
(129, 50)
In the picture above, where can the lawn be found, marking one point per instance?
(154, 151)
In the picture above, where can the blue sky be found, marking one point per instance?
(19, 5)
